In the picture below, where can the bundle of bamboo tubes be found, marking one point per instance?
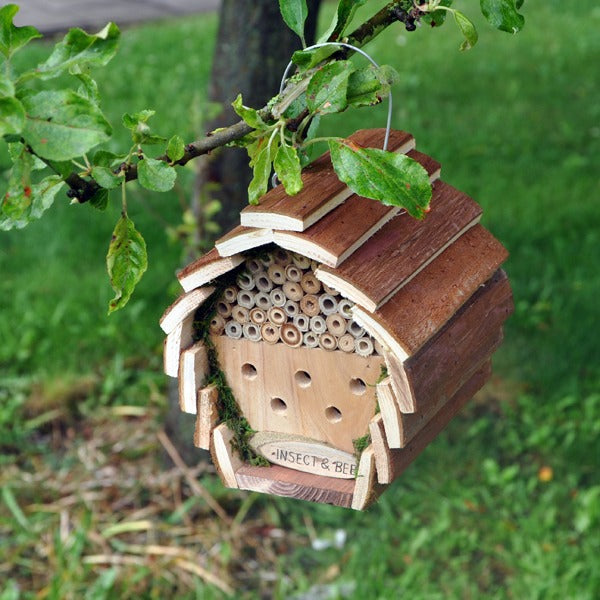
(276, 298)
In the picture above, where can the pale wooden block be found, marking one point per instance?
(400, 385)
(207, 416)
(193, 370)
(185, 305)
(206, 268)
(381, 449)
(226, 460)
(242, 239)
(178, 340)
(390, 411)
(365, 480)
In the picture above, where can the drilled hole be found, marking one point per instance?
(358, 386)
(333, 414)
(303, 378)
(249, 371)
(278, 406)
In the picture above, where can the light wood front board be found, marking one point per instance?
(206, 268)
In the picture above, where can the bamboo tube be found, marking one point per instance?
(364, 346)
(291, 308)
(277, 297)
(290, 335)
(266, 260)
(345, 308)
(293, 273)
(302, 323)
(251, 331)
(246, 299)
(245, 280)
(309, 305)
(336, 324)
(263, 301)
(258, 315)
(330, 290)
(314, 265)
(254, 266)
(346, 343)
(293, 291)
(355, 329)
(310, 339)
(301, 261)
(224, 308)
(310, 284)
(276, 274)
(317, 324)
(240, 314)
(277, 315)
(270, 333)
(282, 256)
(379, 349)
(217, 325)
(327, 304)
(233, 329)
(230, 294)
(263, 283)
(327, 341)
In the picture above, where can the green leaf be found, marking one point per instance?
(140, 130)
(103, 158)
(175, 148)
(43, 194)
(370, 85)
(467, 29)
(79, 50)
(249, 115)
(133, 121)
(88, 88)
(105, 177)
(393, 179)
(326, 92)
(156, 175)
(262, 159)
(12, 116)
(344, 15)
(62, 125)
(503, 15)
(294, 13)
(287, 167)
(100, 199)
(7, 87)
(11, 37)
(126, 261)
(307, 59)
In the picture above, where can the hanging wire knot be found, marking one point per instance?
(386, 139)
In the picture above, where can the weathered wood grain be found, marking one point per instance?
(427, 302)
(178, 340)
(381, 449)
(184, 306)
(206, 268)
(402, 247)
(193, 370)
(390, 412)
(225, 459)
(282, 481)
(365, 480)
(242, 239)
(322, 190)
(207, 416)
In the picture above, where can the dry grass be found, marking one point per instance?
(101, 507)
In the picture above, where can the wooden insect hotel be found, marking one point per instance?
(328, 339)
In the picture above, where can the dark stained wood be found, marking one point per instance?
(206, 268)
(467, 340)
(322, 191)
(282, 481)
(427, 302)
(402, 247)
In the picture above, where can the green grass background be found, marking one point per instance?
(515, 123)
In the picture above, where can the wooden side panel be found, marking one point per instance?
(390, 412)
(206, 268)
(381, 449)
(241, 239)
(282, 481)
(207, 416)
(193, 370)
(322, 191)
(184, 306)
(425, 304)
(402, 247)
(225, 459)
(178, 340)
(401, 458)
(364, 492)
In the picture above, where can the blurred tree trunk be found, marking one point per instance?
(252, 50)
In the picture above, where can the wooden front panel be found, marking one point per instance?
(321, 395)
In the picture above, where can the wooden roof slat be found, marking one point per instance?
(402, 248)
(427, 302)
(346, 228)
(241, 239)
(185, 305)
(277, 210)
(206, 268)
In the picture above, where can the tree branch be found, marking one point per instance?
(84, 189)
